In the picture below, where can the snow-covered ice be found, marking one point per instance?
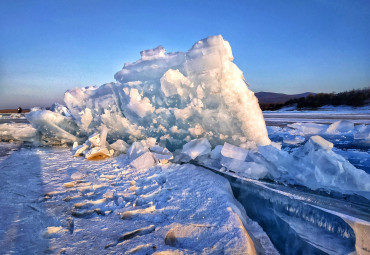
(62, 204)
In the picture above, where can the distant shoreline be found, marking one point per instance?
(13, 110)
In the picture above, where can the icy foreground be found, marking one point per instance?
(174, 97)
(191, 107)
(54, 203)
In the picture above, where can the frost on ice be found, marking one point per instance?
(174, 97)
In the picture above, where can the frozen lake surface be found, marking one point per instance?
(54, 203)
(328, 117)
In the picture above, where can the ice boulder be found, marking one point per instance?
(174, 97)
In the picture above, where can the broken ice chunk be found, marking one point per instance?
(322, 167)
(362, 132)
(162, 158)
(293, 139)
(340, 127)
(119, 146)
(235, 152)
(247, 169)
(160, 154)
(98, 153)
(79, 150)
(216, 152)
(136, 149)
(307, 128)
(317, 142)
(196, 148)
(75, 145)
(94, 139)
(144, 161)
(140, 106)
(140, 147)
(159, 149)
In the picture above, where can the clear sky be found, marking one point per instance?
(288, 46)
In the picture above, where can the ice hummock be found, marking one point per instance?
(174, 97)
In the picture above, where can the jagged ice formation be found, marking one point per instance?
(174, 97)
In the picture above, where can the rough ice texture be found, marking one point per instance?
(174, 97)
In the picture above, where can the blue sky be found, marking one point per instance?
(288, 46)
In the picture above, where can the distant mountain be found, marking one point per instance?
(278, 98)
